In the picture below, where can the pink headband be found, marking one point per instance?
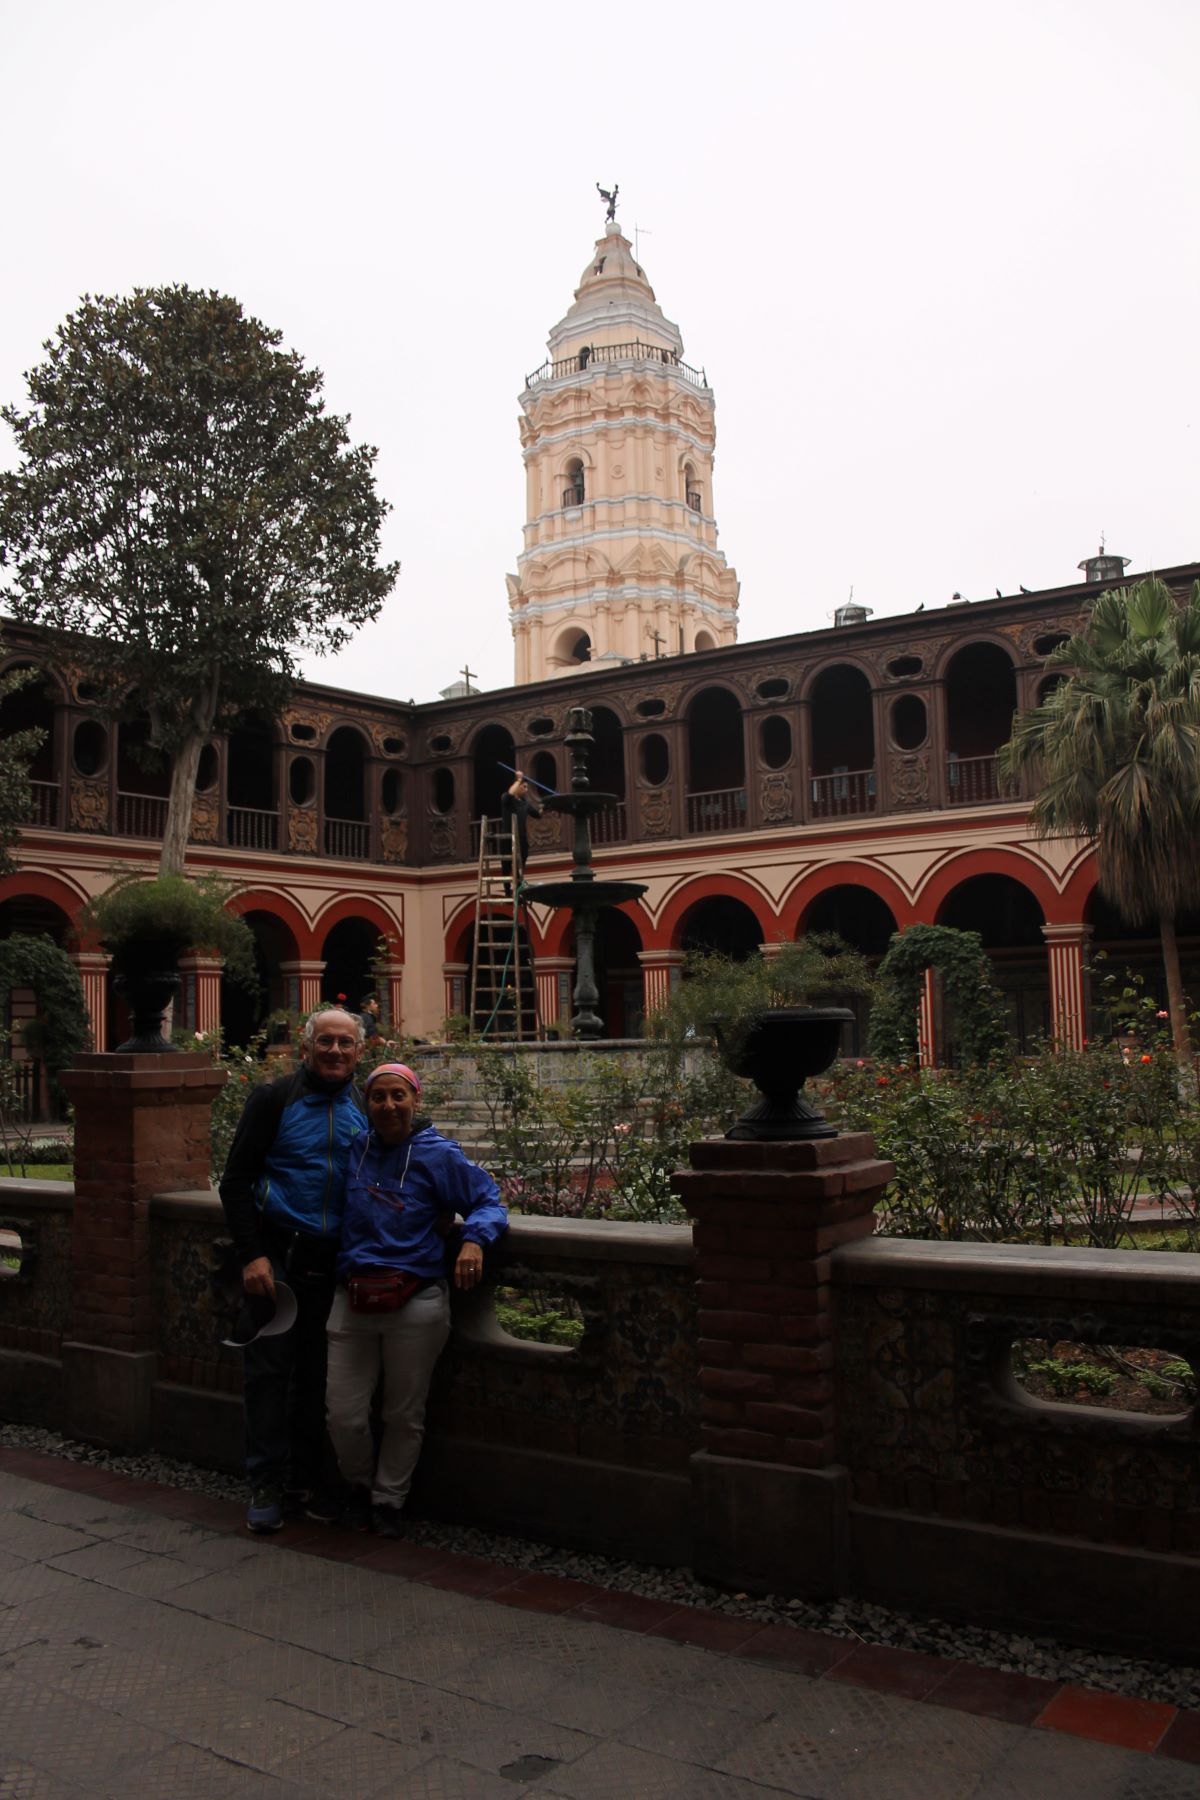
(401, 1069)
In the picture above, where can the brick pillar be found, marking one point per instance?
(660, 972)
(1066, 946)
(93, 972)
(141, 1128)
(769, 1498)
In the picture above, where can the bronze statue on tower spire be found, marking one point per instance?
(611, 198)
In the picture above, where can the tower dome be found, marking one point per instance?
(620, 561)
(614, 303)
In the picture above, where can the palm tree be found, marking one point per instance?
(1115, 750)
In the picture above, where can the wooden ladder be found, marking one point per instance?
(503, 984)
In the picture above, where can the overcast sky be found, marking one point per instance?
(939, 261)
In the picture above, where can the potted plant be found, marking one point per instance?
(147, 924)
(766, 1027)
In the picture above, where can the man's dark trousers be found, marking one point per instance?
(286, 1441)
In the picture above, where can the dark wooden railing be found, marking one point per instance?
(971, 780)
(247, 828)
(584, 359)
(573, 496)
(693, 500)
(722, 810)
(610, 826)
(141, 815)
(843, 795)
(349, 838)
(44, 810)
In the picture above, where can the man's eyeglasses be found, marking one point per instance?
(325, 1042)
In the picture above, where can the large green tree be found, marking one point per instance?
(1114, 750)
(17, 750)
(187, 510)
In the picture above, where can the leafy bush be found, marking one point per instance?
(815, 970)
(1066, 1378)
(183, 910)
(537, 1318)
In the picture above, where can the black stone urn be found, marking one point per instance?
(778, 1053)
(146, 976)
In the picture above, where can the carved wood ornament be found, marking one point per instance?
(89, 804)
(908, 780)
(302, 830)
(775, 799)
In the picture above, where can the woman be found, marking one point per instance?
(391, 1312)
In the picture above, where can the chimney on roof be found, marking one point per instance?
(851, 612)
(1103, 566)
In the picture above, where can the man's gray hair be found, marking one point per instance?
(323, 1012)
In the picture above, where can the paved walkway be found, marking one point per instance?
(149, 1647)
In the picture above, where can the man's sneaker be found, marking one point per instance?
(387, 1521)
(356, 1514)
(323, 1508)
(265, 1512)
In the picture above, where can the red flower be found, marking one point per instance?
(339, 996)
(881, 1081)
(1146, 1059)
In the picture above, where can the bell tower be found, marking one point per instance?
(617, 433)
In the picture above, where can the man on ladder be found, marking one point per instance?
(518, 802)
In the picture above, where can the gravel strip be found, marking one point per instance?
(844, 1618)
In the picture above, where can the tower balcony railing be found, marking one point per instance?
(694, 500)
(573, 496)
(971, 780)
(591, 354)
(843, 794)
(348, 838)
(43, 808)
(141, 815)
(723, 809)
(249, 828)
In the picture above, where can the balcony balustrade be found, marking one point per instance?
(693, 500)
(44, 807)
(142, 816)
(590, 355)
(722, 810)
(573, 496)
(844, 794)
(248, 828)
(971, 780)
(348, 838)
(610, 826)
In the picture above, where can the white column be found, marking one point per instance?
(93, 972)
(660, 973)
(1066, 947)
(927, 1047)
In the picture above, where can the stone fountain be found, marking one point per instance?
(583, 894)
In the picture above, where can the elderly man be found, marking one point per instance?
(282, 1195)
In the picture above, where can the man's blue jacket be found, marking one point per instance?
(287, 1161)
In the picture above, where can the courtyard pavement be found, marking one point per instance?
(149, 1647)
